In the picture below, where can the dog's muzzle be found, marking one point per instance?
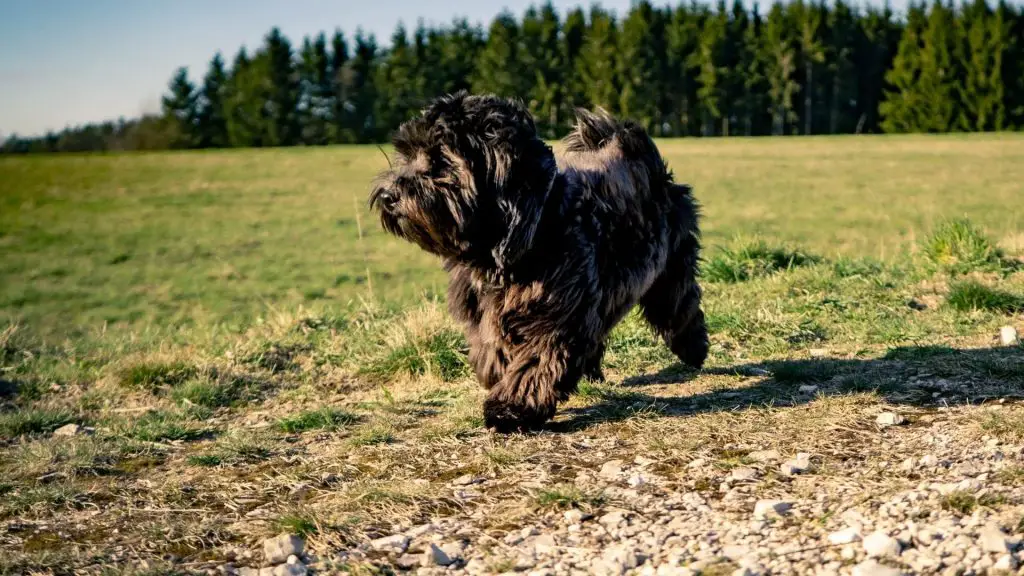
(385, 199)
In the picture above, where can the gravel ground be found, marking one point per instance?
(940, 501)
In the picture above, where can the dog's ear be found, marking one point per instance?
(521, 197)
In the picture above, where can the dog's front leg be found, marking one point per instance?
(528, 392)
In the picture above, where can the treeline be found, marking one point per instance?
(693, 70)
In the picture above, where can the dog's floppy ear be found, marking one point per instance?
(521, 197)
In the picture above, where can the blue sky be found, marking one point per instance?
(67, 62)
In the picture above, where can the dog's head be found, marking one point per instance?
(469, 180)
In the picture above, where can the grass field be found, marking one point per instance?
(248, 353)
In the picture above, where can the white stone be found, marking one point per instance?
(277, 549)
(764, 455)
(1008, 336)
(992, 539)
(574, 516)
(636, 481)
(612, 519)
(743, 474)
(878, 544)
(845, 536)
(697, 463)
(297, 569)
(807, 389)
(68, 430)
(872, 568)
(396, 543)
(1005, 563)
(771, 508)
(435, 556)
(544, 544)
(611, 469)
(467, 480)
(890, 419)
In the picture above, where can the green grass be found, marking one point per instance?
(33, 421)
(213, 314)
(970, 295)
(747, 260)
(958, 246)
(320, 419)
(153, 375)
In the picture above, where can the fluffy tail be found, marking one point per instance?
(597, 130)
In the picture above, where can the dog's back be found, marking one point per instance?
(601, 142)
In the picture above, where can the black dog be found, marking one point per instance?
(545, 258)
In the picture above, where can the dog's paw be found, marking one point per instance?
(505, 418)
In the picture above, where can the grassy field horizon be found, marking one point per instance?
(201, 350)
(139, 239)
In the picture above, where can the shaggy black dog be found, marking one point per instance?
(545, 257)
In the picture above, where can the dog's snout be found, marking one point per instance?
(385, 198)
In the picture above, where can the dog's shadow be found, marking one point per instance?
(921, 376)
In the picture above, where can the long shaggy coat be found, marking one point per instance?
(545, 257)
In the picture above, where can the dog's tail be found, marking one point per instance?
(597, 130)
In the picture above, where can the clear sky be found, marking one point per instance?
(67, 62)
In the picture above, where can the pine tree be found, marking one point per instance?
(780, 67)
(808, 18)
(212, 117)
(983, 39)
(361, 71)
(315, 92)
(573, 34)
(283, 87)
(397, 97)
(840, 47)
(940, 72)
(901, 108)
(709, 60)
(456, 58)
(342, 122)
(180, 107)
(540, 54)
(1012, 71)
(598, 61)
(499, 67)
(877, 43)
(683, 39)
(756, 121)
(244, 101)
(639, 60)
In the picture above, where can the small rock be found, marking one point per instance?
(277, 549)
(408, 561)
(889, 419)
(636, 481)
(697, 463)
(612, 519)
(807, 389)
(846, 536)
(396, 543)
(880, 545)
(929, 460)
(611, 469)
(992, 539)
(1008, 336)
(435, 556)
(818, 352)
(544, 544)
(743, 474)
(764, 455)
(467, 480)
(909, 464)
(793, 467)
(293, 559)
(246, 571)
(574, 516)
(771, 508)
(421, 530)
(872, 568)
(298, 569)
(1005, 563)
(68, 430)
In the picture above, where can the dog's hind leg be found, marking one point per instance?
(672, 306)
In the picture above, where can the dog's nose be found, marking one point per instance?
(386, 199)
